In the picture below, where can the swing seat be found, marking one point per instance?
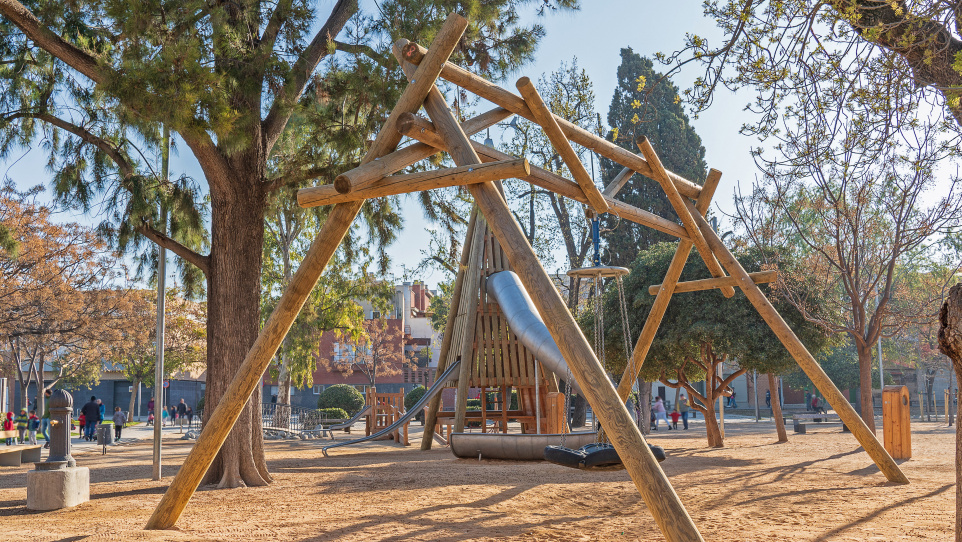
(596, 456)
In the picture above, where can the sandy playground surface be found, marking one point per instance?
(819, 486)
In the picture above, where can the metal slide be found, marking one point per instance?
(506, 288)
(412, 412)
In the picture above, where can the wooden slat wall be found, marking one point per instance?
(499, 357)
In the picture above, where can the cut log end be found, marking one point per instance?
(342, 184)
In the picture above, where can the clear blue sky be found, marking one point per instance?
(595, 36)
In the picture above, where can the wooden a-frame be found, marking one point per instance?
(422, 68)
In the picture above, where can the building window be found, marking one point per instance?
(375, 315)
(318, 390)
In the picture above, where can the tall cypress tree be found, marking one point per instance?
(645, 103)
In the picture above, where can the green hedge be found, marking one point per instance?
(341, 396)
(412, 397)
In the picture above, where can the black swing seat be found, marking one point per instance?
(596, 456)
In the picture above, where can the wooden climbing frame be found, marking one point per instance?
(443, 132)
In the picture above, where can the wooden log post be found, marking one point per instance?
(453, 73)
(760, 277)
(431, 410)
(678, 204)
(649, 479)
(663, 296)
(416, 182)
(394, 162)
(616, 184)
(812, 369)
(472, 287)
(422, 130)
(546, 119)
(228, 410)
(777, 409)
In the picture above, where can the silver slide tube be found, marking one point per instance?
(506, 289)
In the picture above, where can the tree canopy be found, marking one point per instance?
(646, 103)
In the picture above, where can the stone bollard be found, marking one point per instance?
(58, 482)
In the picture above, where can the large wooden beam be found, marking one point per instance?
(678, 204)
(546, 119)
(760, 277)
(812, 369)
(512, 102)
(649, 479)
(394, 162)
(658, 308)
(416, 182)
(424, 131)
(229, 408)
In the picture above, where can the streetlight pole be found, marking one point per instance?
(161, 291)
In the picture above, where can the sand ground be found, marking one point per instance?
(819, 486)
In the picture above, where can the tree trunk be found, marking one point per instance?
(233, 315)
(865, 384)
(644, 397)
(950, 344)
(715, 439)
(133, 401)
(777, 409)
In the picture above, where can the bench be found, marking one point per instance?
(14, 456)
(799, 427)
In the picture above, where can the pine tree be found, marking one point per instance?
(645, 103)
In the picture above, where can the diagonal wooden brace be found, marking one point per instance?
(546, 119)
(812, 369)
(339, 221)
(678, 204)
(619, 182)
(658, 308)
(649, 479)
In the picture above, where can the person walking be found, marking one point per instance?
(150, 412)
(163, 417)
(768, 398)
(675, 415)
(33, 423)
(808, 401)
(731, 400)
(45, 419)
(21, 421)
(181, 413)
(659, 410)
(190, 417)
(119, 421)
(91, 412)
(102, 409)
(683, 410)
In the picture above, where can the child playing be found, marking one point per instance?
(8, 426)
(81, 421)
(21, 421)
(675, 415)
(119, 420)
(33, 424)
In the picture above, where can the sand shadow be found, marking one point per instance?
(838, 530)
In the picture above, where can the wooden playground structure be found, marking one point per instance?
(375, 177)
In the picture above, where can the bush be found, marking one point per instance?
(341, 396)
(412, 397)
(474, 404)
(332, 414)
